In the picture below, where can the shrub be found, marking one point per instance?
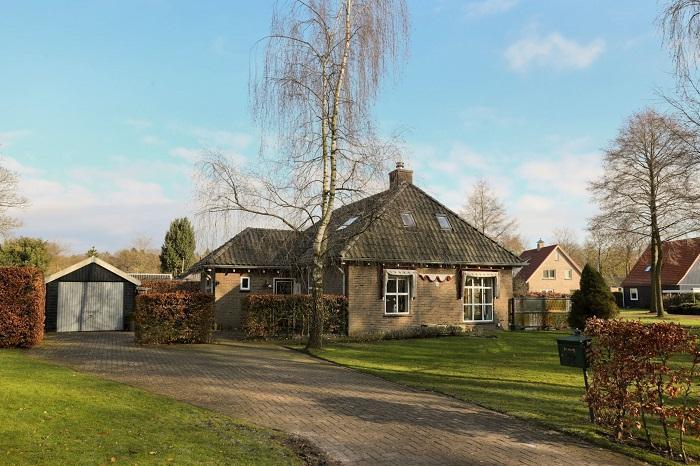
(267, 316)
(167, 286)
(424, 331)
(688, 309)
(644, 375)
(593, 299)
(174, 317)
(22, 297)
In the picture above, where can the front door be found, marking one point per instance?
(283, 286)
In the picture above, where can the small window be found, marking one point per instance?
(556, 256)
(443, 221)
(398, 295)
(245, 284)
(408, 220)
(647, 268)
(568, 274)
(549, 274)
(347, 223)
(634, 294)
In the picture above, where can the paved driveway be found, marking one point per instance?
(356, 418)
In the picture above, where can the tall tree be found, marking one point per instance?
(650, 188)
(177, 252)
(566, 238)
(485, 211)
(323, 64)
(25, 252)
(9, 199)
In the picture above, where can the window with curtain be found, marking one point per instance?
(398, 294)
(478, 299)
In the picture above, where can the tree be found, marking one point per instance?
(565, 237)
(25, 252)
(323, 64)
(650, 189)
(9, 199)
(485, 211)
(593, 299)
(177, 252)
(92, 252)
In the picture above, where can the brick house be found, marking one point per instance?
(549, 269)
(400, 257)
(680, 271)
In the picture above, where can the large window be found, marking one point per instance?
(478, 299)
(549, 274)
(398, 294)
(283, 285)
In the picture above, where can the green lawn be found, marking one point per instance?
(514, 372)
(645, 316)
(54, 415)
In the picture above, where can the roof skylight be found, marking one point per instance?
(408, 220)
(648, 268)
(347, 223)
(443, 221)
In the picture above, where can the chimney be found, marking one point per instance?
(400, 175)
(540, 244)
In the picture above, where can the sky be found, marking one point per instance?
(105, 106)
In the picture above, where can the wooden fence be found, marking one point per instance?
(532, 313)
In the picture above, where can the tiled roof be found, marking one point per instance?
(679, 256)
(534, 258)
(253, 247)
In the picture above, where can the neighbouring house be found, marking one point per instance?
(400, 257)
(91, 295)
(548, 269)
(680, 272)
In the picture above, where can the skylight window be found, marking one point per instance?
(648, 268)
(347, 223)
(443, 221)
(408, 220)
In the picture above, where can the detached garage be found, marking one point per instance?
(89, 296)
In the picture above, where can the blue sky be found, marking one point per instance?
(105, 105)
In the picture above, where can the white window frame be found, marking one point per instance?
(240, 284)
(568, 274)
(413, 220)
(447, 225)
(545, 276)
(481, 288)
(396, 294)
(634, 294)
(282, 279)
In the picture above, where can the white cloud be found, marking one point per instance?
(7, 138)
(191, 155)
(150, 140)
(222, 138)
(552, 51)
(568, 174)
(481, 8)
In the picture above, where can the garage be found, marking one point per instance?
(89, 296)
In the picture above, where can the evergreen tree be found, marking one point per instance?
(177, 252)
(25, 252)
(92, 252)
(593, 299)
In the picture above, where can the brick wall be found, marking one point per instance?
(559, 284)
(432, 305)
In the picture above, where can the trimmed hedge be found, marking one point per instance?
(687, 309)
(267, 316)
(22, 297)
(174, 317)
(168, 286)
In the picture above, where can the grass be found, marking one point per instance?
(54, 415)
(517, 373)
(645, 316)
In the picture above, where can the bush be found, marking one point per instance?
(167, 286)
(174, 317)
(22, 297)
(267, 316)
(594, 299)
(644, 375)
(424, 331)
(688, 309)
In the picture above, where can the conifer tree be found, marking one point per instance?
(593, 299)
(177, 252)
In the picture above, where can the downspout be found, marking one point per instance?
(342, 272)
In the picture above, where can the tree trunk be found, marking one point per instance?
(657, 303)
(316, 329)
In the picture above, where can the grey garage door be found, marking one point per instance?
(90, 306)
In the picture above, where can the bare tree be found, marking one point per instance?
(9, 199)
(650, 188)
(566, 238)
(485, 211)
(323, 64)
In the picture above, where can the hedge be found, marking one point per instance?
(167, 286)
(22, 297)
(174, 317)
(268, 316)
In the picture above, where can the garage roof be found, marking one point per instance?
(93, 260)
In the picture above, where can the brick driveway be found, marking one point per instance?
(356, 418)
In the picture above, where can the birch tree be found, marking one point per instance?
(312, 95)
(650, 188)
(9, 199)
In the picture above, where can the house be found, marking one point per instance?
(400, 257)
(549, 269)
(680, 271)
(91, 295)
